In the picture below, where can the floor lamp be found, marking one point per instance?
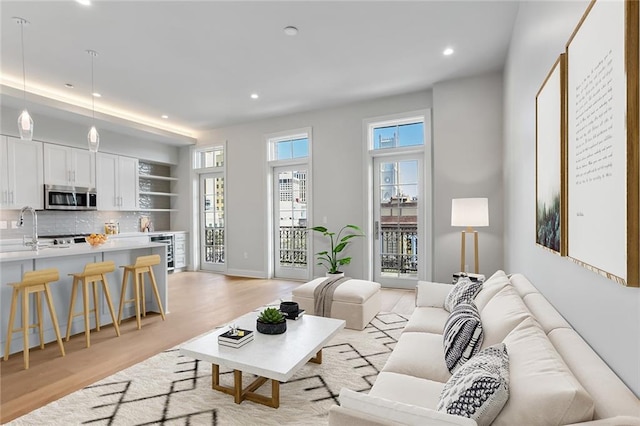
(469, 212)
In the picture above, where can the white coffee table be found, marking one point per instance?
(275, 357)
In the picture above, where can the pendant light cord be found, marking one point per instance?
(24, 78)
(93, 97)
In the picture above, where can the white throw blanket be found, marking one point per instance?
(323, 295)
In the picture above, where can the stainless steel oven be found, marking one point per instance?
(57, 197)
(168, 240)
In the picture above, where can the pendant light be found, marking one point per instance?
(93, 137)
(25, 122)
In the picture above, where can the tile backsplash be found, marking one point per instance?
(53, 222)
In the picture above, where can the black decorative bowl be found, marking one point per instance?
(271, 328)
(289, 308)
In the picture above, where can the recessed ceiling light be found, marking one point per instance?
(290, 31)
(96, 94)
(447, 52)
(165, 116)
(84, 2)
(254, 96)
(68, 85)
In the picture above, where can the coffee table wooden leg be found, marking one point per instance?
(237, 386)
(215, 376)
(275, 393)
(318, 358)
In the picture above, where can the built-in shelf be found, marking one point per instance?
(165, 194)
(156, 187)
(157, 177)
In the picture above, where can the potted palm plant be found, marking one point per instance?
(333, 258)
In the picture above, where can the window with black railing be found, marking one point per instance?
(293, 246)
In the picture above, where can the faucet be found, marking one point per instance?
(34, 236)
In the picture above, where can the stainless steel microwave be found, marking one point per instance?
(58, 197)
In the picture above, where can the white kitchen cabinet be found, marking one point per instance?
(180, 250)
(116, 182)
(21, 182)
(68, 166)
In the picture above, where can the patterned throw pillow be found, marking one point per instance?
(480, 388)
(462, 335)
(464, 291)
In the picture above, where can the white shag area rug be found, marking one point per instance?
(170, 389)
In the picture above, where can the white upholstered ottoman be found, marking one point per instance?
(355, 301)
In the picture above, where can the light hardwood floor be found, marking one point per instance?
(198, 301)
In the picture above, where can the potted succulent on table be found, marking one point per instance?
(271, 321)
(331, 259)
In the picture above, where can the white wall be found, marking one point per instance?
(606, 314)
(467, 157)
(338, 176)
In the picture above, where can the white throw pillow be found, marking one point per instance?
(480, 388)
(464, 291)
(462, 336)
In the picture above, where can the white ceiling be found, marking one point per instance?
(199, 61)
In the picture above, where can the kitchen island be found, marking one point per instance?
(68, 260)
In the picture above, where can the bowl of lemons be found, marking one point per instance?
(96, 240)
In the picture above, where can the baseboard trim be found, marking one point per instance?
(246, 273)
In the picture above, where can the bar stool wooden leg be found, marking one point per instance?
(136, 291)
(39, 314)
(143, 295)
(107, 295)
(54, 318)
(85, 302)
(74, 289)
(123, 294)
(12, 315)
(25, 326)
(156, 292)
(96, 310)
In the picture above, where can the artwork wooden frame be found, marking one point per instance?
(603, 163)
(551, 160)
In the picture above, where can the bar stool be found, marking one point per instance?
(93, 272)
(143, 264)
(33, 282)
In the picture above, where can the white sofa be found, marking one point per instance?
(555, 376)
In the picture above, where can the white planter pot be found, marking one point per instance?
(336, 275)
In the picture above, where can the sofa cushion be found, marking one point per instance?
(427, 320)
(544, 312)
(430, 294)
(501, 315)
(480, 388)
(542, 389)
(464, 291)
(397, 412)
(522, 285)
(419, 355)
(490, 288)
(407, 389)
(462, 335)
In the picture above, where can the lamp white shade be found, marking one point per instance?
(470, 212)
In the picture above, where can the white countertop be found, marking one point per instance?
(75, 249)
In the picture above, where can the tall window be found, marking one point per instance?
(289, 170)
(400, 176)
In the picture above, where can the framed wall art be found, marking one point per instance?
(603, 178)
(550, 160)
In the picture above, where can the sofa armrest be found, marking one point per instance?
(612, 421)
(431, 295)
(386, 411)
(340, 416)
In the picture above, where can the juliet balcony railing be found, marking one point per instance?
(214, 245)
(399, 249)
(293, 246)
